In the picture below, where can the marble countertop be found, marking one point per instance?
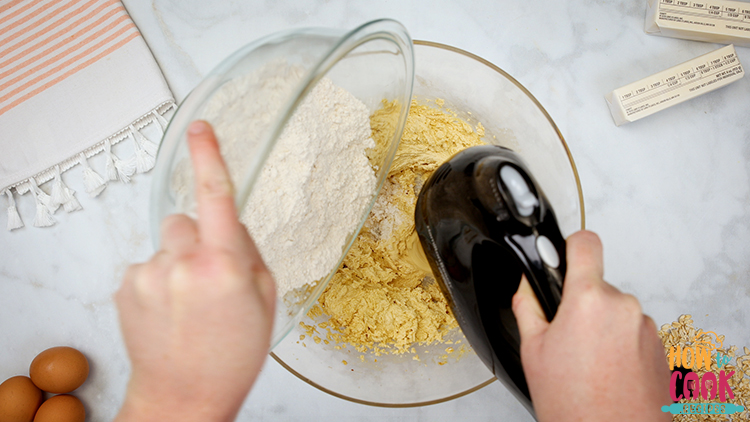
(669, 195)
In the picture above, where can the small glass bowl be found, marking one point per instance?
(374, 62)
(477, 91)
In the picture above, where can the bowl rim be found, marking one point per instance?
(583, 226)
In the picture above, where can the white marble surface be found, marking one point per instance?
(669, 195)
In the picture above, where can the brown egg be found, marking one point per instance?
(62, 408)
(59, 370)
(19, 399)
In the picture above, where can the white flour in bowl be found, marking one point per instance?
(317, 181)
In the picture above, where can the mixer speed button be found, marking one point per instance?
(547, 251)
(523, 197)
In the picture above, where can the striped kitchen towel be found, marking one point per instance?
(76, 78)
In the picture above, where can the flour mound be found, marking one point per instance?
(313, 189)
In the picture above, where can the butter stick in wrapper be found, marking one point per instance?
(716, 21)
(675, 85)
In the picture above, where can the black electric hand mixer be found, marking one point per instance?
(483, 221)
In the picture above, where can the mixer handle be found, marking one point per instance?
(542, 257)
(523, 217)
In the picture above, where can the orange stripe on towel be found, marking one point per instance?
(70, 61)
(70, 72)
(80, 44)
(50, 27)
(12, 15)
(4, 8)
(13, 25)
(66, 37)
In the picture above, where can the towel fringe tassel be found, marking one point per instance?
(63, 195)
(142, 161)
(161, 120)
(72, 204)
(117, 169)
(14, 219)
(147, 145)
(58, 195)
(43, 217)
(92, 181)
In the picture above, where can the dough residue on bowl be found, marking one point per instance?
(383, 298)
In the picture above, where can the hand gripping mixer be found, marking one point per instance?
(482, 222)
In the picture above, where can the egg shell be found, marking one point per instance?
(62, 408)
(59, 370)
(19, 399)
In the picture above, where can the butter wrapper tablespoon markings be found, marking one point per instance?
(675, 85)
(716, 21)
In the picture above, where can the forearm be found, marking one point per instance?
(172, 407)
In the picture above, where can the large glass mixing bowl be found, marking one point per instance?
(477, 91)
(373, 62)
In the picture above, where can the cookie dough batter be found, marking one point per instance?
(384, 298)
